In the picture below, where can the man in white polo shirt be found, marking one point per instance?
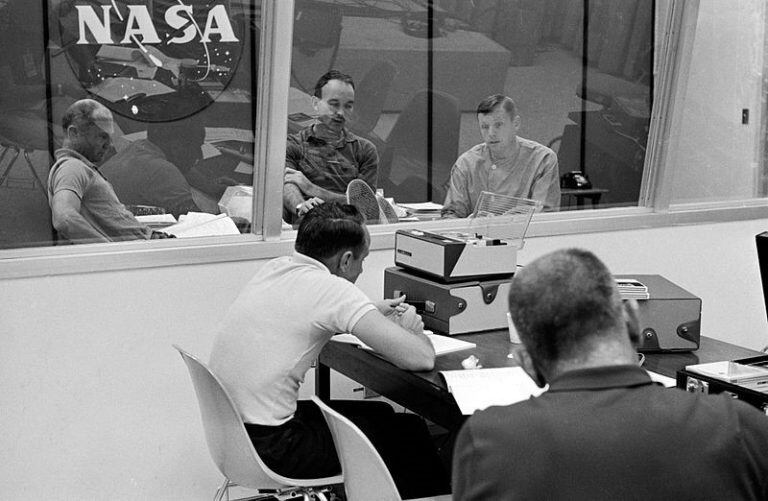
(279, 324)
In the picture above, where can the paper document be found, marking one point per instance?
(421, 206)
(666, 381)
(477, 389)
(441, 344)
(157, 220)
(198, 224)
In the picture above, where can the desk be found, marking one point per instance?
(425, 393)
(593, 194)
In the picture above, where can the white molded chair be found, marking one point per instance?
(366, 477)
(231, 448)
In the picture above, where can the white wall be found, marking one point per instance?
(96, 404)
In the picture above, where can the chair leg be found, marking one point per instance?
(10, 164)
(34, 173)
(5, 151)
(224, 489)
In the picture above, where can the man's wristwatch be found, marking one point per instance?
(298, 208)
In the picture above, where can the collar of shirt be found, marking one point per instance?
(505, 163)
(66, 152)
(600, 378)
(348, 137)
(299, 258)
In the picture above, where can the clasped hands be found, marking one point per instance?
(402, 313)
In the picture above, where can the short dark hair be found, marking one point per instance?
(330, 228)
(332, 75)
(80, 114)
(561, 302)
(490, 103)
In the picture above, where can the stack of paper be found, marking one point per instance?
(423, 208)
(441, 344)
(477, 389)
(629, 288)
(200, 224)
(156, 221)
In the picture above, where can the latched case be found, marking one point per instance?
(452, 308)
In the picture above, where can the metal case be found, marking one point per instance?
(699, 383)
(670, 320)
(454, 308)
(452, 260)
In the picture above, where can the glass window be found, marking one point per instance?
(178, 81)
(580, 74)
(720, 150)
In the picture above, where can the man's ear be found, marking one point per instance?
(526, 362)
(71, 132)
(315, 104)
(345, 259)
(632, 321)
(516, 123)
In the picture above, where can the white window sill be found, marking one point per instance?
(75, 259)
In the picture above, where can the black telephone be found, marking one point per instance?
(575, 180)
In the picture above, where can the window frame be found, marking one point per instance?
(270, 240)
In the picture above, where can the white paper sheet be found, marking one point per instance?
(668, 382)
(441, 344)
(195, 224)
(477, 389)
(421, 206)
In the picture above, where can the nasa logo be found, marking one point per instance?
(155, 61)
(139, 23)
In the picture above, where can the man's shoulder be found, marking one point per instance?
(69, 166)
(302, 136)
(365, 143)
(472, 155)
(533, 146)
(494, 417)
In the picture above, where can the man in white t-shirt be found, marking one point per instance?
(279, 324)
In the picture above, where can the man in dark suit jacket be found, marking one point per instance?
(603, 430)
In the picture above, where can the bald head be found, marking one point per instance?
(87, 112)
(88, 129)
(566, 307)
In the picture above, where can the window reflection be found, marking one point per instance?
(179, 80)
(580, 73)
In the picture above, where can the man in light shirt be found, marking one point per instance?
(277, 327)
(504, 163)
(84, 206)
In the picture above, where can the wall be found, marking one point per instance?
(97, 404)
(718, 156)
